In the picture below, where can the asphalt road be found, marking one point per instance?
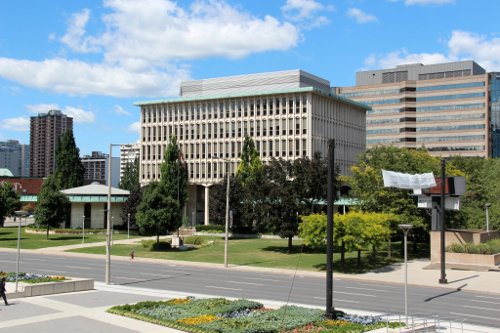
(386, 298)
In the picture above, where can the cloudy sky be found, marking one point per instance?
(93, 59)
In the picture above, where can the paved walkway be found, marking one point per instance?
(84, 312)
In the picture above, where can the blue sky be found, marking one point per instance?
(93, 59)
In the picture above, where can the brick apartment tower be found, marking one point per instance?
(45, 129)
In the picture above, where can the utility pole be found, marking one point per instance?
(330, 310)
(442, 280)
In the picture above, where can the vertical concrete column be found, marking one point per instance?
(207, 197)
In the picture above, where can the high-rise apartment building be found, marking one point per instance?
(96, 168)
(442, 107)
(15, 157)
(289, 114)
(128, 154)
(494, 109)
(45, 130)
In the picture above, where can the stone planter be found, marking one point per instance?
(489, 260)
(57, 287)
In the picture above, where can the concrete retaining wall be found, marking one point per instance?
(473, 259)
(48, 288)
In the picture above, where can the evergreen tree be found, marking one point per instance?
(69, 170)
(9, 201)
(174, 176)
(130, 178)
(250, 164)
(52, 205)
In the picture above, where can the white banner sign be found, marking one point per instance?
(408, 181)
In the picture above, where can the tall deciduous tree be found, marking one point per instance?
(130, 182)
(9, 201)
(174, 175)
(158, 212)
(69, 170)
(52, 205)
(250, 165)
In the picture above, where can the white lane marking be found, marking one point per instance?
(215, 287)
(488, 302)
(337, 300)
(63, 272)
(365, 289)
(469, 315)
(264, 279)
(377, 285)
(153, 274)
(78, 267)
(343, 292)
(247, 283)
(480, 308)
(8, 261)
(32, 259)
(489, 297)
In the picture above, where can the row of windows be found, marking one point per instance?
(451, 138)
(445, 97)
(442, 75)
(234, 129)
(452, 86)
(451, 107)
(450, 128)
(382, 131)
(372, 93)
(390, 120)
(391, 111)
(452, 117)
(388, 141)
(224, 109)
(276, 148)
(456, 148)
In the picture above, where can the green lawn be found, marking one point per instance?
(259, 253)
(8, 238)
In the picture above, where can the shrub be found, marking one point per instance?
(490, 247)
(153, 245)
(195, 240)
(211, 228)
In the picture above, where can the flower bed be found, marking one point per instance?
(31, 278)
(244, 316)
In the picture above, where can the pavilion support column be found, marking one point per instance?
(207, 198)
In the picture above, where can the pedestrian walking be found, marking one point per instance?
(3, 290)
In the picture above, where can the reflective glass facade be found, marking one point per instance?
(495, 113)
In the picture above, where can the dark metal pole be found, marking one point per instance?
(442, 207)
(330, 310)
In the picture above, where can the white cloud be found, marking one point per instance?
(306, 12)
(76, 31)
(144, 44)
(79, 115)
(427, 2)
(41, 108)
(135, 127)
(462, 45)
(121, 111)
(19, 124)
(360, 16)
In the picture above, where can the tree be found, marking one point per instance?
(9, 201)
(174, 175)
(51, 207)
(158, 212)
(69, 171)
(130, 178)
(130, 182)
(250, 164)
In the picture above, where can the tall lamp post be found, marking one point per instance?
(226, 233)
(406, 228)
(128, 225)
(19, 213)
(486, 207)
(83, 229)
(442, 199)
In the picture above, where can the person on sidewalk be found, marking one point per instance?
(3, 290)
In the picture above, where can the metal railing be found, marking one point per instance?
(430, 324)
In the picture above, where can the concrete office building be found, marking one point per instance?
(289, 114)
(96, 168)
(15, 157)
(442, 107)
(45, 130)
(128, 154)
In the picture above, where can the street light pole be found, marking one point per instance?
(443, 280)
(83, 229)
(406, 228)
(128, 225)
(107, 277)
(19, 214)
(226, 236)
(487, 206)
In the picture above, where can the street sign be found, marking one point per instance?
(450, 203)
